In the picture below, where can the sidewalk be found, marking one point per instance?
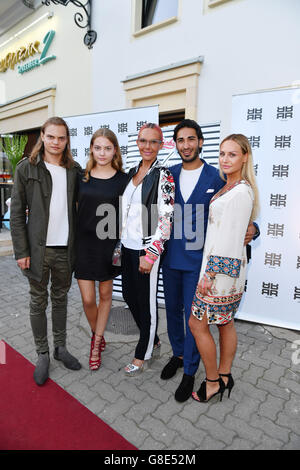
(263, 411)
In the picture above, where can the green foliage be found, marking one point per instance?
(14, 147)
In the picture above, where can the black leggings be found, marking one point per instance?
(139, 292)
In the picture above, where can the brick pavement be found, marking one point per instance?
(262, 413)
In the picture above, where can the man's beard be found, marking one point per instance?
(191, 159)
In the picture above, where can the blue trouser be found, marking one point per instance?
(179, 290)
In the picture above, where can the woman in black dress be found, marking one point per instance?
(97, 233)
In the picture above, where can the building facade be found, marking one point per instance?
(188, 56)
(194, 55)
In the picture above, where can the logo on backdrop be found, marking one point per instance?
(254, 141)
(283, 141)
(297, 293)
(276, 230)
(280, 171)
(285, 112)
(278, 200)
(254, 114)
(269, 289)
(272, 259)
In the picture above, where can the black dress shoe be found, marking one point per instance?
(171, 368)
(185, 389)
(69, 361)
(41, 371)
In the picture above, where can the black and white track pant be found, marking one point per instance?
(139, 292)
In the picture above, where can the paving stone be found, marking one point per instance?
(128, 429)
(253, 373)
(253, 357)
(82, 392)
(273, 390)
(131, 391)
(114, 410)
(270, 429)
(216, 430)
(270, 444)
(242, 429)
(106, 391)
(158, 430)
(246, 408)
(271, 407)
(292, 385)
(293, 444)
(240, 444)
(187, 430)
(155, 391)
(140, 411)
(166, 411)
(245, 388)
(152, 444)
(210, 444)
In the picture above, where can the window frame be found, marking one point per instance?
(137, 30)
(214, 3)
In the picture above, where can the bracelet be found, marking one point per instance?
(150, 255)
(149, 260)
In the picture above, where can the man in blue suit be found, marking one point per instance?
(195, 182)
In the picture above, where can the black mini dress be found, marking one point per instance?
(98, 226)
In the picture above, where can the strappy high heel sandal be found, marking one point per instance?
(201, 396)
(230, 383)
(95, 353)
(102, 344)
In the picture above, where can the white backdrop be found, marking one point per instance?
(122, 122)
(271, 121)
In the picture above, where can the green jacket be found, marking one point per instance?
(32, 190)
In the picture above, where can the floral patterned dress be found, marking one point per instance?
(225, 254)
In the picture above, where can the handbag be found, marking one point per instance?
(117, 254)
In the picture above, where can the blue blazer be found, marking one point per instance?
(184, 250)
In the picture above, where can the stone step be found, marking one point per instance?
(5, 242)
(6, 247)
(6, 250)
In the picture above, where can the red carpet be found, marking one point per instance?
(47, 417)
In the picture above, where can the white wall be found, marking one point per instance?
(247, 45)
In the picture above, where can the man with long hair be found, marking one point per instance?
(43, 227)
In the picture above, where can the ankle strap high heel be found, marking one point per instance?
(230, 383)
(201, 395)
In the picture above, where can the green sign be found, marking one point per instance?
(44, 58)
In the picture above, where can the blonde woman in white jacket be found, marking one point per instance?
(222, 277)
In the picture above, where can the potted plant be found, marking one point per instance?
(14, 147)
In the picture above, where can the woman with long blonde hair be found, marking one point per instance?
(97, 233)
(223, 273)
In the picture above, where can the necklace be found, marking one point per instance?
(224, 190)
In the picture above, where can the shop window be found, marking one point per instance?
(153, 14)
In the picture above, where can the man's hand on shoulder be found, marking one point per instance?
(251, 232)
